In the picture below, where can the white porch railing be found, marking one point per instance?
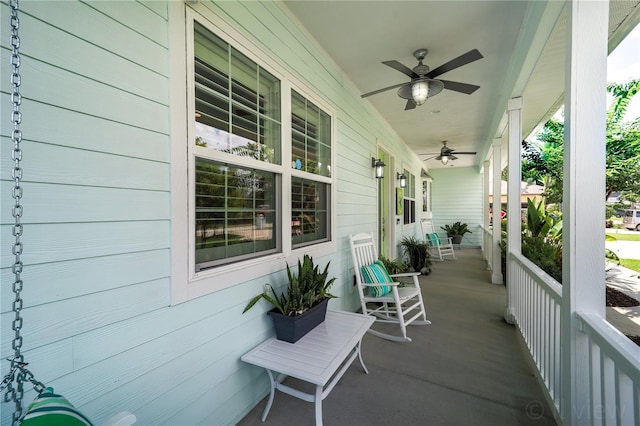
(487, 243)
(614, 374)
(537, 299)
(614, 361)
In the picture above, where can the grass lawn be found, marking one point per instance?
(631, 264)
(624, 237)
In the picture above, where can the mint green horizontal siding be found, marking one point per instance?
(106, 273)
(87, 23)
(457, 196)
(58, 320)
(98, 325)
(59, 126)
(61, 242)
(68, 166)
(105, 66)
(48, 203)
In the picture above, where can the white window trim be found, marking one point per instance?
(415, 201)
(186, 284)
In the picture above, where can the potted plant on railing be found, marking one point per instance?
(456, 231)
(303, 305)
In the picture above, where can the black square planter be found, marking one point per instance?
(293, 328)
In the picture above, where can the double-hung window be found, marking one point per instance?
(260, 182)
(410, 199)
(237, 142)
(311, 172)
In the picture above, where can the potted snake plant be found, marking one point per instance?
(303, 304)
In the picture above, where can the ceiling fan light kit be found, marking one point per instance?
(423, 89)
(420, 92)
(447, 154)
(423, 84)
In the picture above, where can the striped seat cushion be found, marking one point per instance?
(376, 273)
(434, 239)
(51, 409)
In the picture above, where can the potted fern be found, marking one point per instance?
(303, 304)
(417, 254)
(456, 231)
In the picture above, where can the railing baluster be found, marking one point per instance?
(614, 361)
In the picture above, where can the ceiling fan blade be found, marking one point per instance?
(375, 92)
(402, 68)
(460, 87)
(464, 59)
(410, 105)
(460, 153)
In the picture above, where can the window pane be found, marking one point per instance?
(309, 212)
(409, 198)
(269, 90)
(237, 102)
(425, 196)
(236, 215)
(311, 137)
(244, 83)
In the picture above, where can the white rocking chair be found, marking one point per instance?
(401, 305)
(438, 249)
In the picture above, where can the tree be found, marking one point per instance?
(543, 159)
(623, 141)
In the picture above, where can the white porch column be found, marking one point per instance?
(485, 212)
(514, 192)
(496, 257)
(583, 198)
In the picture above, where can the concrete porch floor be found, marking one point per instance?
(467, 368)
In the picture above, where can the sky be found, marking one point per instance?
(624, 65)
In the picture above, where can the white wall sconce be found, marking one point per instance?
(377, 164)
(402, 179)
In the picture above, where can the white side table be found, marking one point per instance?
(315, 358)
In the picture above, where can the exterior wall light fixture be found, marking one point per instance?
(402, 179)
(377, 164)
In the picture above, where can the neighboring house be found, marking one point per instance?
(177, 155)
(613, 198)
(528, 191)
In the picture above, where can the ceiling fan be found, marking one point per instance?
(447, 154)
(423, 84)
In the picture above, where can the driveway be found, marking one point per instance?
(627, 320)
(624, 249)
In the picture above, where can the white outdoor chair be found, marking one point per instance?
(438, 248)
(401, 305)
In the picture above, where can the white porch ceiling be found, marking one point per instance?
(522, 43)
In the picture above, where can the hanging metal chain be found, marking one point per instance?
(18, 373)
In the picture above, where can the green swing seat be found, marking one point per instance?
(51, 409)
